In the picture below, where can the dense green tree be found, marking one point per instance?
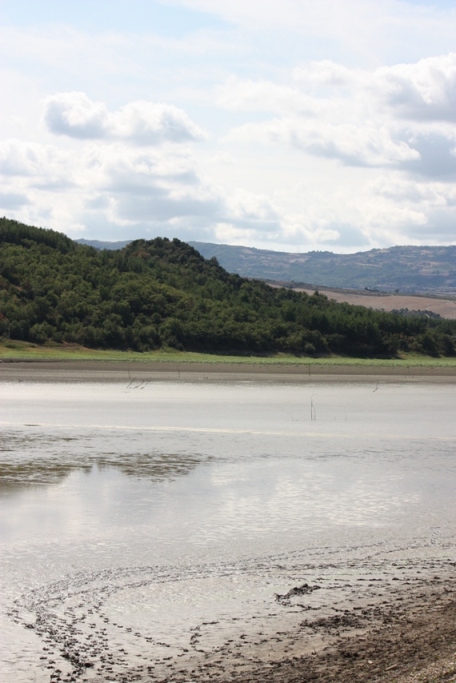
(163, 293)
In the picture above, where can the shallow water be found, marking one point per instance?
(157, 509)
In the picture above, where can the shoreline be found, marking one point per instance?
(150, 371)
(374, 615)
(410, 639)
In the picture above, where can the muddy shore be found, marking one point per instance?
(408, 640)
(383, 617)
(398, 628)
(120, 371)
(368, 622)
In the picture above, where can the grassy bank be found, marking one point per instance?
(16, 350)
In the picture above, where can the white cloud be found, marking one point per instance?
(435, 195)
(13, 200)
(436, 153)
(133, 191)
(149, 187)
(249, 95)
(141, 123)
(41, 163)
(402, 116)
(326, 125)
(352, 145)
(125, 186)
(327, 73)
(422, 91)
(120, 168)
(257, 208)
(75, 115)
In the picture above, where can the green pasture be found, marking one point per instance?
(17, 350)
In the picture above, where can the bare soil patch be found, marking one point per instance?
(446, 308)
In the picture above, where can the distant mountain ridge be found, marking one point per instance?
(408, 269)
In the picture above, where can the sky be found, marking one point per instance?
(292, 125)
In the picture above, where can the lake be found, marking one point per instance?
(149, 529)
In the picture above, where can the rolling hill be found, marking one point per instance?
(162, 293)
(407, 269)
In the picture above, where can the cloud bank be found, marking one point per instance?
(139, 123)
(402, 117)
(275, 129)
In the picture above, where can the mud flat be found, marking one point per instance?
(365, 620)
(120, 371)
(246, 531)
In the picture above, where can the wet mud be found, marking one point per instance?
(177, 533)
(370, 619)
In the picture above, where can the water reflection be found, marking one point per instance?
(42, 459)
(161, 511)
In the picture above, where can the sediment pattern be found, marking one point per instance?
(338, 620)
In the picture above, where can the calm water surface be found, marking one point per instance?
(111, 495)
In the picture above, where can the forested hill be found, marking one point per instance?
(162, 293)
(407, 269)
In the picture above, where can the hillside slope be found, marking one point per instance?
(408, 269)
(160, 293)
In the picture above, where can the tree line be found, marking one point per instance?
(163, 293)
